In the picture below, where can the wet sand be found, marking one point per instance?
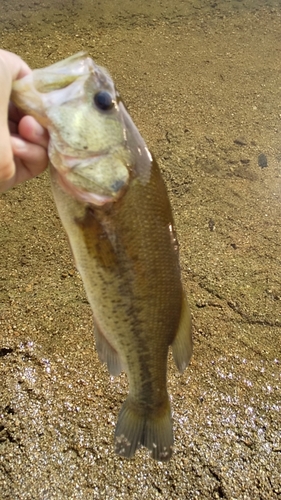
(202, 83)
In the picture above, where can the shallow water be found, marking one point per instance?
(202, 82)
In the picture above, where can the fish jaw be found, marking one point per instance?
(98, 179)
(34, 93)
(80, 195)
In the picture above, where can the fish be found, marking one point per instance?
(114, 207)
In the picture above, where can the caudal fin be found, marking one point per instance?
(134, 429)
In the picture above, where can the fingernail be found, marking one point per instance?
(39, 131)
(18, 144)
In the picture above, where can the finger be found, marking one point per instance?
(30, 159)
(32, 131)
(16, 66)
(11, 67)
(7, 167)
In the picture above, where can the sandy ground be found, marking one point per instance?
(202, 82)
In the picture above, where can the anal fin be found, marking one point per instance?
(182, 344)
(107, 353)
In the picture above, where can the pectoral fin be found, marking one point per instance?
(182, 344)
(107, 353)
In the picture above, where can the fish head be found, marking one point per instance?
(77, 102)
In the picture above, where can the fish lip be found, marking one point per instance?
(70, 162)
(80, 194)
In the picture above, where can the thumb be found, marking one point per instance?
(11, 68)
(7, 167)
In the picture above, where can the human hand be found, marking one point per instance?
(23, 142)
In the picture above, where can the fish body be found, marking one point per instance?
(114, 207)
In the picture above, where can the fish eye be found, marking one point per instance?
(103, 100)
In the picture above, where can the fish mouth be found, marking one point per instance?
(83, 188)
(81, 194)
(70, 163)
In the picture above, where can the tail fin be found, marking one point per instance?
(134, 429)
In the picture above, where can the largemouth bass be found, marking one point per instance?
(115, 210)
